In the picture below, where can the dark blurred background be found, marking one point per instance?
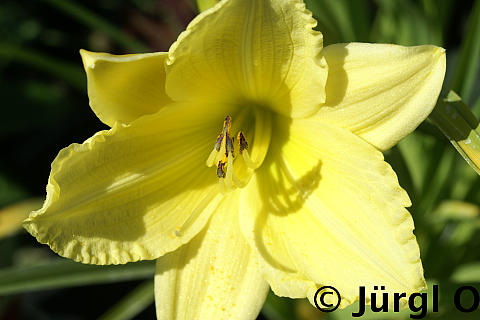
(45, 108)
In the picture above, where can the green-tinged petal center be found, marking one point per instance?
(233, 156)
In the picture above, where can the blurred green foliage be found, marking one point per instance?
(45, 108)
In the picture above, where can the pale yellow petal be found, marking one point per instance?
(133, 192)
(325, 209)
(124, 87)
(214, 276)
(263, 51)
(381, 92)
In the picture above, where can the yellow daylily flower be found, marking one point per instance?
(246, 157)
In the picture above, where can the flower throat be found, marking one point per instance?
(234, 169)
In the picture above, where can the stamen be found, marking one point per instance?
(218, 144)
(211, 158)
(223, 153)
(228, 145)
(221, 169)
(227, 124)
(229, 174)
(223, 188)
(242, 142)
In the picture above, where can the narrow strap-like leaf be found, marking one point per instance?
(460, 126)
(62, 273)
(132, 304)
(469, 61)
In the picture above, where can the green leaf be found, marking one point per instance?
(406, 23)
(433, 10)
(360, 19)
(398, 162)
(457, 210)
(476, 107)
(439, 174)
(334, 20)
(441, 11)
(277, 308)
(460, 126)
(467, 273)
(134, 303)
(341, 15)
(460, 234)
(467, 67)
(413, 148)
(62, 273)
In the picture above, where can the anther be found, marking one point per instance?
(221, 169)
(223, 155)
(227, 124)
(224, 135)
(228, 146)
(218, 144)
(242, 142)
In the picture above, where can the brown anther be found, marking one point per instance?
(221, 169)
(227, 124)
(218, 144)
(242, 142)
(228, 145)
